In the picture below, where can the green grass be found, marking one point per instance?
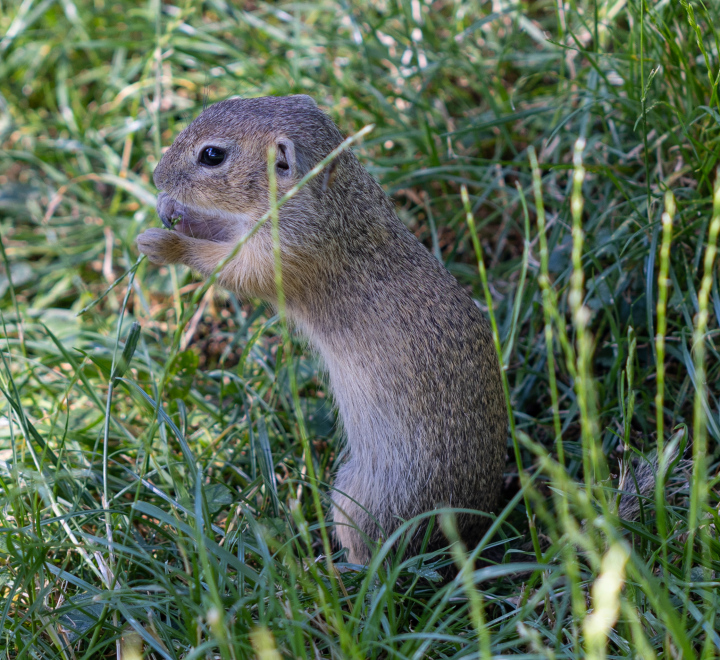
(155, 489)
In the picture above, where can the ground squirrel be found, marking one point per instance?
(410, 358)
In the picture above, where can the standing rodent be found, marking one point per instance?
(410, 358)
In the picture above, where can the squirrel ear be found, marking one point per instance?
(285, 157)
(290, 161)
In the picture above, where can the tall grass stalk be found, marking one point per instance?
(549, 303)
(667, 223)
(699, 485)
(581, 316)
(498, 348)
(333, 606)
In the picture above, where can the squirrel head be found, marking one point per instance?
(217, 167)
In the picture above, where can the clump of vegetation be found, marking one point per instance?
(560, 158)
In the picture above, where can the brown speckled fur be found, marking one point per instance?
(409, 356)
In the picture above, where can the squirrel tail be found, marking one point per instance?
(637, 483)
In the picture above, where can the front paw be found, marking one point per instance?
(161, 246)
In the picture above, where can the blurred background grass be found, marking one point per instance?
(163, 508)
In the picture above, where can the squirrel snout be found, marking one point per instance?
(166, 209)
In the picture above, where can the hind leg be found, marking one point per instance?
(353, 515)
(348, 533)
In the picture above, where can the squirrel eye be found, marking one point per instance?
(212, 156)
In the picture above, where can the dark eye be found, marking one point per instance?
(212, 156)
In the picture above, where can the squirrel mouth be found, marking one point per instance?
(190, 222)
